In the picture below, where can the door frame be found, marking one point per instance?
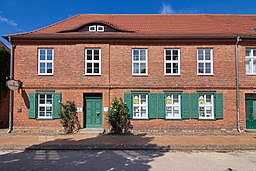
(90, 96)
(250, 123)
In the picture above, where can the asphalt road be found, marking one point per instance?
(127, 160)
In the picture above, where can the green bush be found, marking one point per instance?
(68, 117)
(118, 117)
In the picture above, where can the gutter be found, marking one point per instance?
(10, 91)
(237, 86)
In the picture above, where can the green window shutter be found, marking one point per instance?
(152, 106)
(185, 106)
(194, 105)
(33, 102)
(218, 99)
(161, 106)
(56, 105)
(128, 101)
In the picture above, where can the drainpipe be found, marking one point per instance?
(237, 87)
(10, 91)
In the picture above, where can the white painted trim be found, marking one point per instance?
(251, 58)
(45, 61)
(92, 62)
(93, 28)
(205, 61)
(171, 61)
(139, 106)
(44, 105)
(206, 105)
(173, 105)
(139, 62)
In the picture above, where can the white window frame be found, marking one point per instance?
(44, 105)
(205, 61)
(93, 28)
(140, 62)
(96, 28)
(250, 58)
(205, 105)
(100, 27)
(171, 62)
(45, 61)
(140, 106)
(92, 61)
(172, 106)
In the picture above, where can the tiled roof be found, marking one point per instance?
(176, 25)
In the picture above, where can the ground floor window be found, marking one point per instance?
(45, 105)
(140, 106)
(172, 106)
(206, 106)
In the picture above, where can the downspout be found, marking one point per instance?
(10, 91)
(237, 86)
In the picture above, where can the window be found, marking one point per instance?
(45, 61)
(45, 105)
(172, 106)
(205, 104)
(140, 106)
(172, 61)
(204, 62)
(96, 28)
(250, 61)
(92, 61)
(139, 62)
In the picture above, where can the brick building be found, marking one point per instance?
(175, 72)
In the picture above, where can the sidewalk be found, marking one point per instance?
(127, 142)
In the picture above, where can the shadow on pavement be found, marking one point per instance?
(105, 159)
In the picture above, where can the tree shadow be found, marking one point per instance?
(107, 152)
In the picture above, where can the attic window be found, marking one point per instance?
(254, 29)
(96, 28)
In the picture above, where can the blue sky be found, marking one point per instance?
(26, 15)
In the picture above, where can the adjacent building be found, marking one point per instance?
(175, 72)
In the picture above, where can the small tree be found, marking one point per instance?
(68, 117)
(118, 116)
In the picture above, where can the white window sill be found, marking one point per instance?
(171, 74)
(140, 118)
(46, 74)
(92, 74)
(170, 118)
(205, 74)
(139, 75)
(204, 118)
(250, 74)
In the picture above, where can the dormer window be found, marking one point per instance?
(96, 28)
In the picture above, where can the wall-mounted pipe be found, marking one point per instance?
(237, 86)
(11, 92)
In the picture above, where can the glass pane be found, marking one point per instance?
(208, 111)
(42, 54)
(142, 55)
(89, 68)
(143, 99)
(175, 53)
(48, 109)
(135, 55)
(49, 54)
(175, 67)
(49, 67)
(200, 68)
(143, 112)
(200, 54)
(254, 66)
(48, 114)
(169, 112)
(208, 99)
(175, 99)
(42, 67)
(89, 54)
(248, 52)
(41, 109)
(49, 99)
(254, 52)
(176, 111)
(96, 54)
(142, 68)
(248, 66)
(201, 112)
(96, 68)
(207, 67)
(207, 54)
(136, 68)
(168, 55)
(41, 113)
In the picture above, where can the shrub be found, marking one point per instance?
(68, 117)
(118, 117)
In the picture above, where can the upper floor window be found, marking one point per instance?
(172, 61)
(250, 61)
(96, 28)
(139, 62)
(204, 62)
(92, 61)
(45, 61)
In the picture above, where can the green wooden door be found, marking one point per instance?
(93, 113)
(250, 114)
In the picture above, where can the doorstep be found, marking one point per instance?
(91, 131)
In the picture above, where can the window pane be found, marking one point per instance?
(175, 55)
(175, 68)
(89, 67)
(96, 54)
(142, 55)
(41, 113)
(176, 111)
(168, 68)
(248, 66)
(135, 55)
(200, 68)
(42, 54)
(89, 54)
(254, 66)
(201, 112)
(49, 67)
(49, 99)
(200, 54)
(143, 99)
(168, 54)
(142, 68)
(42, 67)
(208, 99)
(136, 68)
(207, 67)
(208, 111)
(175, 99)
(254, 52)
(49, 54)
(248, 52)
(41, 109)
(207, 54)
(96, 68)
